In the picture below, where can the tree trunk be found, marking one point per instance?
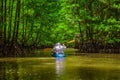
(16, 24)
(15, 49)
(1, 23)
(11, 2)
(4, 19)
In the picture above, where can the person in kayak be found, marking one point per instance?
(58, 48)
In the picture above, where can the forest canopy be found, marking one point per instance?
(42, 23)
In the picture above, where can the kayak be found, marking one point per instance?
(58, 54)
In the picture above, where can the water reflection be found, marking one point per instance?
(56, 69)
(9, 71)
(59, 65)
(27, 70)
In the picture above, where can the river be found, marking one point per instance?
(82, 67)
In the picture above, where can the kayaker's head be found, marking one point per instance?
(57, 44)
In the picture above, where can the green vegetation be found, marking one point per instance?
(42, 23)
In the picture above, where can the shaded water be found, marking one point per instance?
(68, 68)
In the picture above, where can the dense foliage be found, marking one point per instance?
(41, 23)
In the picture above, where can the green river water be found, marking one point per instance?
(82, 67)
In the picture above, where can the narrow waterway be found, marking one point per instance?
(82, 67)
